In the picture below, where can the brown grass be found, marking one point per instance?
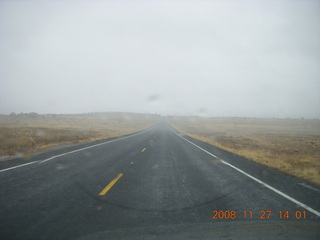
(28, 133)
(289, 145)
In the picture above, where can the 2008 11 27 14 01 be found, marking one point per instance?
(264, 214)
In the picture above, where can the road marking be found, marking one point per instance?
(110, 185)
(78, 150)
(196, 145)
(257, 180)
(7, 169)
(81, 149)
(308, 186)
(274, 189)
(143, 149)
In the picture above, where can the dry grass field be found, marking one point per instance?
(289, 145)
(27, 133)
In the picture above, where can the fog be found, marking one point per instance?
(206, 58)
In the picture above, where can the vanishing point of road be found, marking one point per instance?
(156, 177)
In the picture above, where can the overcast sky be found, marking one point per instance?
(209, 58)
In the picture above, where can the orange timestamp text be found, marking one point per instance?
(264, 214)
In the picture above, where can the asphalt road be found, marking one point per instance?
(153, 178)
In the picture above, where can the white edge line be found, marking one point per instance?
(92, 146)
(275, 190)
(7, 169)
(78, 150)
(307, 186)
(257, 180)
(197, 146)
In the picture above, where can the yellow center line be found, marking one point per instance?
(107, 188)
(143, 149)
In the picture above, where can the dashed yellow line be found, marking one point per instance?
(143, 149)
(109, 186)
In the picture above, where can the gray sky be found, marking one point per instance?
(208, 58)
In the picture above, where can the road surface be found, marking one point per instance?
(156, 177)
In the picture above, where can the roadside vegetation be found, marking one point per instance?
(27, 133)
(289, 145)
